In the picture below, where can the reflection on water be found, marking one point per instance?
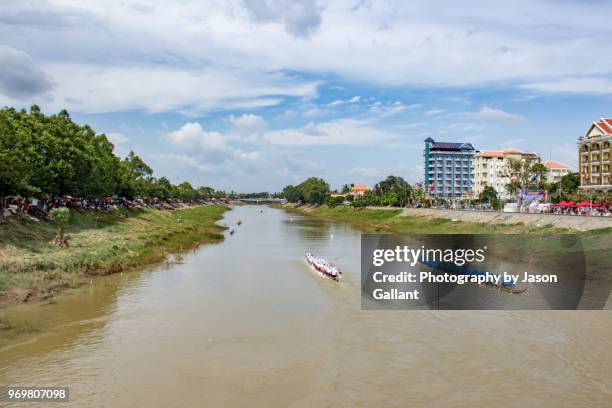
(246, 323)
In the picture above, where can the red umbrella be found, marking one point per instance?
(583, 204)
(571, 204)
(564, 204)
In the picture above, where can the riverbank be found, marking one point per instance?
(574, 222)
(399, 220)
(31, 267)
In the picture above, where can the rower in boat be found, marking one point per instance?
(238, 222)
(231, 230)
(323, 268)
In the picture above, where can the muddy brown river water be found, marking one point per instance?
(246, 323)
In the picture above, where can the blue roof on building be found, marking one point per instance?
(448, 145)
(451, 146)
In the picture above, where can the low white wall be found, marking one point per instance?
(564, 221)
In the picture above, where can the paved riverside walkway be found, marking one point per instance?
(578, 222)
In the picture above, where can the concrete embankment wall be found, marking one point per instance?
(582, 223)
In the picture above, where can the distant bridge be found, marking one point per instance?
(263, 200)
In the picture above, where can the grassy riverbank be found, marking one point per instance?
(31, 267)
(595, 244)
(391, 220)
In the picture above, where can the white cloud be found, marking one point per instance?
(248, 124)
(312, 112)
(92, 89)
(368, 172)
(192, 136)
(384, 109)
(211, 148)
(435, 111)
(586, 85)
(487, 112)
(20, 77)
(337, 132)
(117, 138)
(186, 161)
(198, 56)
(340, 102)
(300, 18)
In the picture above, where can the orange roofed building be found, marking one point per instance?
(490, 168)
(357, 190)
(556, 170)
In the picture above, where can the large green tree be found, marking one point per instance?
(52, 155)
(314, 190)
(393, 191)
(524, 174)
(292, 194)
(566, 187)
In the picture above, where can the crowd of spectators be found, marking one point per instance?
(39, 208)
(563, 208)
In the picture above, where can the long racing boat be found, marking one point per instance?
(323, 268)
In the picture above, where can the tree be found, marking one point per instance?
(524, 174)
(346, 189)
(393, 191)
(292, 194)
(334, 201)
(489, 195)
(61, 215)
(185, 191)
(391, 183)
(314, 190)
(206, 192)
(135, 175)
(52, 155)
(16, 170)
(567, 186)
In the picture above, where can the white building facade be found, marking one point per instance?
(555, 171)
(491, 167)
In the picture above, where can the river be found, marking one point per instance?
(246, 323)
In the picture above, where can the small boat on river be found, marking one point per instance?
(238, 222)
(323, 268)
(232, 230)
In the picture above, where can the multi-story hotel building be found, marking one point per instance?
(555, 171)
(490, 169)
(594, 156)
(448, 168)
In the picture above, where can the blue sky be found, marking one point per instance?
(252, 95)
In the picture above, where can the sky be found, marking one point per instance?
(252, 95)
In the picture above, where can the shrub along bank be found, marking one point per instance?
(32, 267)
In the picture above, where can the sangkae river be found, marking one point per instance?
(246, 323)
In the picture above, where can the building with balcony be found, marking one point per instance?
(448, 169)
(594, 156)
(555, 171)
(490, 169)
